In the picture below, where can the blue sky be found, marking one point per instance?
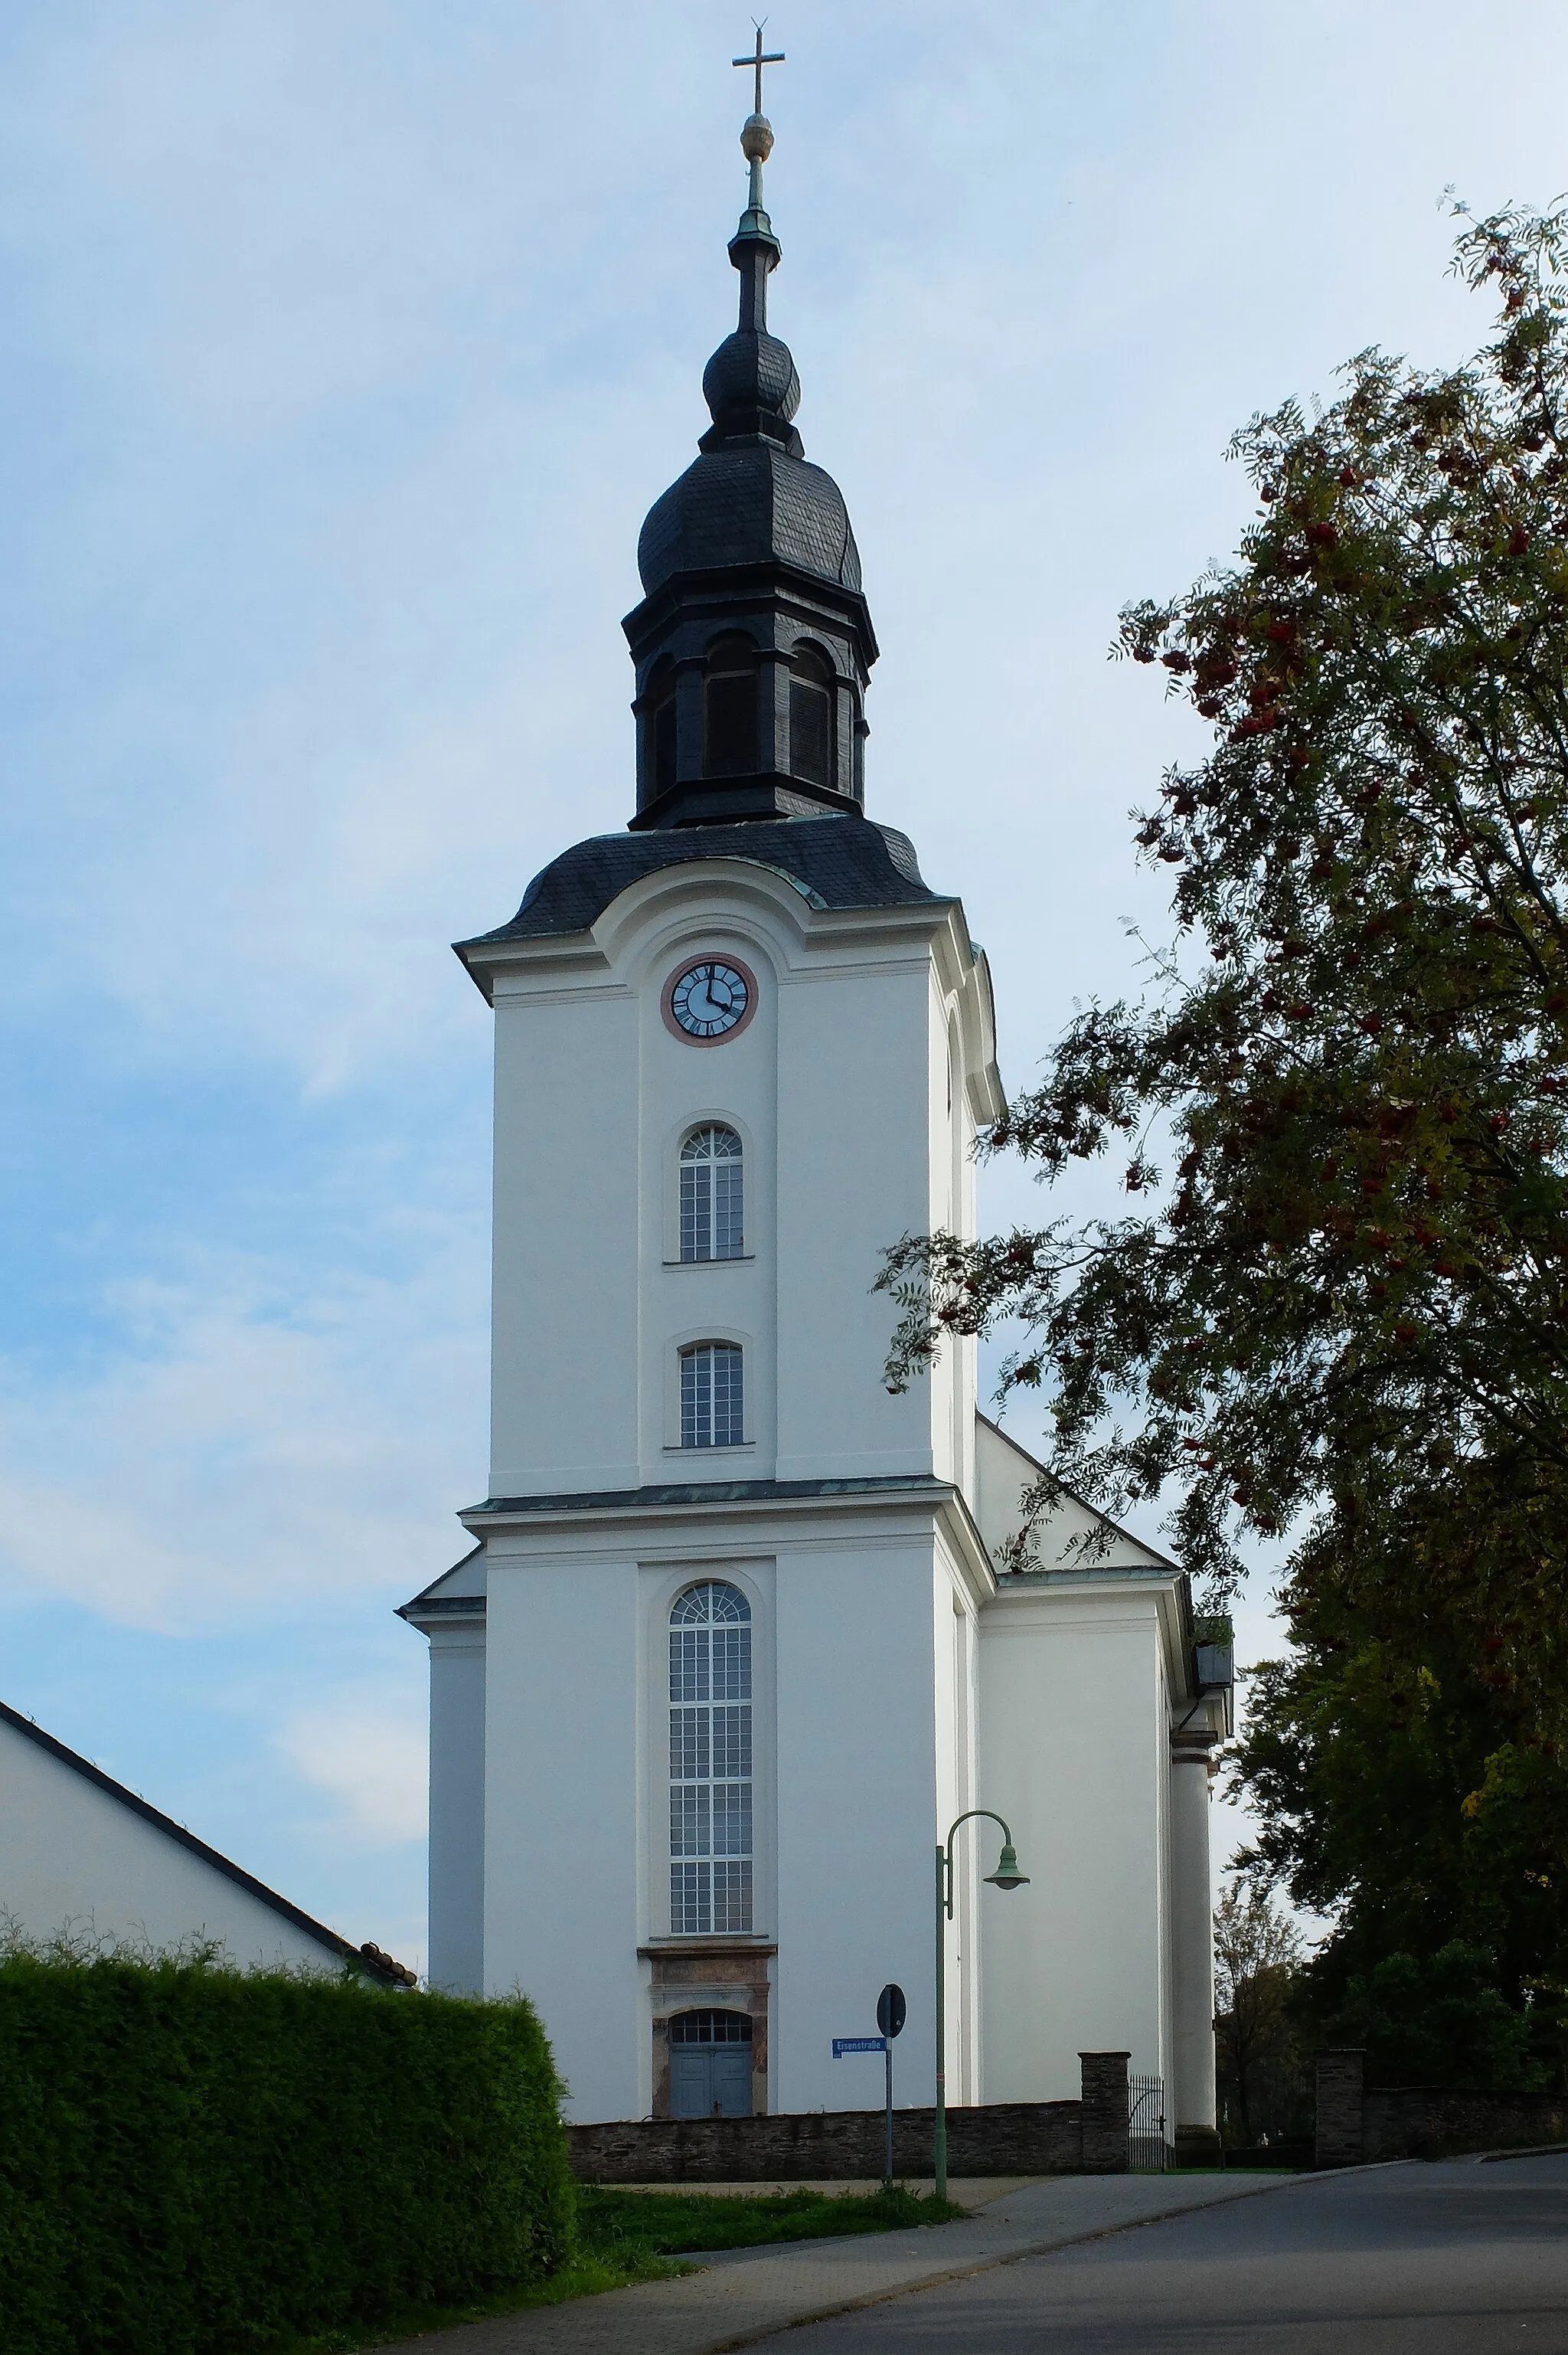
(347, 347)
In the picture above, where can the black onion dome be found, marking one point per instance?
(751, 498)
(752, 640)
(750, 387)
(749, 503)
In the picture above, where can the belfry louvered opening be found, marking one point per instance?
(660, 724)
(812, 718)
(730, 709)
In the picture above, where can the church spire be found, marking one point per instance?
(754, 248)
(752, 643)
(751, 384)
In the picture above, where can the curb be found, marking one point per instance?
(993, 2264)
(1521, 2151)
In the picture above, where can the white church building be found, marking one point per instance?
(733, 1648)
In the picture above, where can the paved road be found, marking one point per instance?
(745, 2295)
(1458, 2259)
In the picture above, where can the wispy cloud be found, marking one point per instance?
(258, 1440)
(368, 1752)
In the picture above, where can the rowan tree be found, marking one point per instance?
(1336, 1302)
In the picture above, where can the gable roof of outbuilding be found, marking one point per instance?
(198, 1848)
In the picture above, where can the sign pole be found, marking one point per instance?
(891, 2013)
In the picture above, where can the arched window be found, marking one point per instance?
(711, 1195)
(662, 726)
(712, 1405)
(710, 1761)
(812, 718)
(729, 709)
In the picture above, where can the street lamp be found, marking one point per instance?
(1006, 1876)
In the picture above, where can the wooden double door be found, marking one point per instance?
(710, 2065)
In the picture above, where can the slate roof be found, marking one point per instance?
(833, 862)
(746, 503)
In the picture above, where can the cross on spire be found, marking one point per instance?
(758, 60)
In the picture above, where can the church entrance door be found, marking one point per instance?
(710, 2065)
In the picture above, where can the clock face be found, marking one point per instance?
(709, 1000)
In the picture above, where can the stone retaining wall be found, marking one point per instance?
(831, 2146)
(1425, 2121)
(1358, 2124)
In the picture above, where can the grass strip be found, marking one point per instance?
(669, 2222)
(637, 2237)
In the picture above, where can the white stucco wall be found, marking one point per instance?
(1073, 1751)
(576, 1810)
(75, 1857)
(563, 1825)
(856, 1128)
(1086, 1696)
(565, 1245)
(857, 1783)
(457, 1801)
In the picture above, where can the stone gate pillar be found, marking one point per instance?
(1104, 2079)
(1342, 2082)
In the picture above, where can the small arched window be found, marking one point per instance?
(729, 709)
(712, 1195)
(713, 1404)
(812, 718)
(710, 1761)
(662, 726)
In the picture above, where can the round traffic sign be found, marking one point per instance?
(890, 2011)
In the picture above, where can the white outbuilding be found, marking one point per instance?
(738, 1642)
(84, 1860)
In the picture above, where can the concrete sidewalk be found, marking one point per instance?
(745, 2294)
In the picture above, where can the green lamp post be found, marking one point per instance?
(1006, 1876)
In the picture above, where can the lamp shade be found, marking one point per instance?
(1007, 1875)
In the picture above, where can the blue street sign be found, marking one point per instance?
(843, 2044)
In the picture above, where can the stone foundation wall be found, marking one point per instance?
(832, 2146)
(1425, 2121)
(1357, 2122)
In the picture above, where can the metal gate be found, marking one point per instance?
(1146, 2152)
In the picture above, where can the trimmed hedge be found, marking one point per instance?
(194, 2161)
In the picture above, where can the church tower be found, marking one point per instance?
(732, 1649)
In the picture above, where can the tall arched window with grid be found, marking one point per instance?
(710, 1761)
(712, 1195)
